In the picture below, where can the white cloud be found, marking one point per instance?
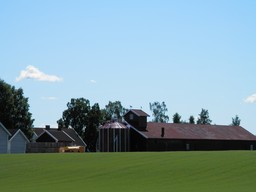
(32, 72)
(93, 81)
(251, 99)
(49, 98)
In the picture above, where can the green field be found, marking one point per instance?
(174, 171)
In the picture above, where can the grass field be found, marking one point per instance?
(233, 171)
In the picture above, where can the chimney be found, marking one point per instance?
(47, 127)
(162, 132)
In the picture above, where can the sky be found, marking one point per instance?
(192, 55)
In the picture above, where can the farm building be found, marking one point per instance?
(12, 140)
(149, 136)
(114, 137)
(50, 140)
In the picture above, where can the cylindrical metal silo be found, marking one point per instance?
(114, 137)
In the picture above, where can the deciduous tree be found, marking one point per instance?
(14, 109)
(159, 112)
(84, 119)
(204, 117)
(91, 131)
(114, 110)
(76, 115)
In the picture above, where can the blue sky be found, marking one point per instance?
(189, 54)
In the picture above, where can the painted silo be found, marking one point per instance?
(114, 137)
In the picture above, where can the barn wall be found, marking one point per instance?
(140, 143)
(197, 145)
(137, 142)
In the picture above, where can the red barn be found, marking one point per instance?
(149, 136)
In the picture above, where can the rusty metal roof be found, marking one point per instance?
(195, 131)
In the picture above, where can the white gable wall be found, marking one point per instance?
(18, 143)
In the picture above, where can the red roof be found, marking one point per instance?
(195, 131)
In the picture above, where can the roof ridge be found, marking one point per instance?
(5, 129)
(68, 135)
(46, 131)
(139, 110)
(19, 130)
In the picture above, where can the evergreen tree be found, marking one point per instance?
(191, 120)
(176, 118)
(236, 121)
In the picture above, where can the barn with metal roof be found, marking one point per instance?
(150, 136)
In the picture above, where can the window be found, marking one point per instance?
(131, 116)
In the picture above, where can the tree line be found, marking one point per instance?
(81, 115)
(159, 111)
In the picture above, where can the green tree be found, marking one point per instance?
(84, 119)
(113, 110)
(204, 118)
(191, 120)
(14, 109)
(91, 131)
(236, 121)
(76, 115)
(176, 118)
(158, 112)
